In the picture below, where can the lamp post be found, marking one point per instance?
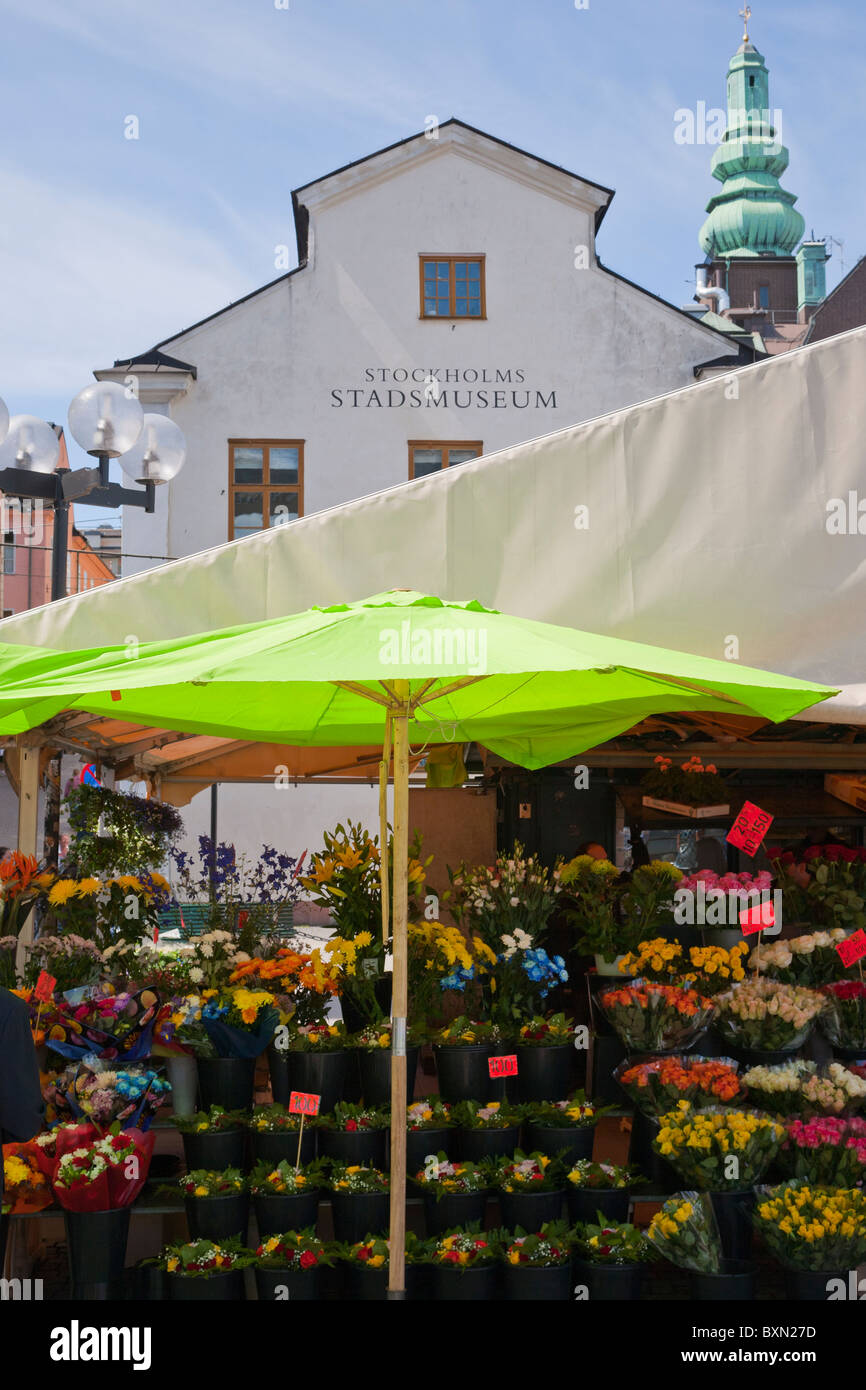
(107, 422)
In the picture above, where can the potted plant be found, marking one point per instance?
(373, 1046)
(826, 1151)
(462, 1051)
(430, 1127)
(217, 1204)
(464, 1264)
(290, 1264)
(486, 1131)
(692, 789)
(684, 1231)
(594, 893)
(275, 1132)
(537, 1265)
(318, 1062)
(817, 1235)
(455, 1194)
(531, 1190)
(600, 1189)
(201, 1270)
(611, 1260)
(366, 1264)
(286, 1198)
(214, 1138)
(355, 1134)
(762, 1020)
(545, 1054)
(360, 1201)
(651, 1017)
(564, 1127)
(843, 1019)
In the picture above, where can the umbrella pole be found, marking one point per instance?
(383, 827)
(397, 1258)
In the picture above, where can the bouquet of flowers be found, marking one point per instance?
(808, 960)
(204, 1182)
(294, 1250)
(355, 1177)
(376, 1037)
(105, 1173)
(517, 893)
(373, 1252)
(317, 1037)
(528, 1173)
(832, 1091)
(698, 1143)
(609, 1177)
(657, 1085)
(202, 1258)
(180, 1028)
(685, 1232)
(216, 956)
(549, 1246)
(430, 1113)
(278, 1119)
(555, 1031)
(614, 1243)
(442, 1178)
(107, 1025)
(656, 1018)
(471, 1114)
(647, 900)
(827, 1151)
(21, 886)
(239, 1022)
(442, 959)
(350, 1118)
(460, 1250)
(710, 968)
(104, 1095)
(577, 1113)
(767, 1016)
(843, 1020)
(302, 984)
(464, 1031)
(25, 1187)
(807, 1227)
(138, 964)
(71, 959)
(799, 1087)
(285, 1180)
(209, 1121)
(825, 885)
(594, 893)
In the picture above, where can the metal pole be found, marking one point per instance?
(59, 549)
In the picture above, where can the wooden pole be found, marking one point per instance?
(384, 877)
(28, 823)
(397, 1259)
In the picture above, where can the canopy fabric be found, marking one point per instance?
(529, 691)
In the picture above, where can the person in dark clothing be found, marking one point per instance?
(21, 1105)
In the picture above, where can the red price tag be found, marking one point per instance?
(853, 948)
(749, 829)
(44, 986)
(503, 1066)
(303, 1103)
(754, 919)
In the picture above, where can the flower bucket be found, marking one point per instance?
(584, 1202)
(375, 1068)
(319, 1074)
(226, 1287)
(367, 1147)
(454, 1209)
(752, 1057)
(294, 1285)
(218, 1218)
(611, 1283)
(544, 1073)
(273, 1147)
(539, 1283)
(96, 1249)
(475, 1144)
(420, 1143)
(462, 1071)
(182, 1073)
(735, 1282)
(813, 1285)
(733, 1216)
(215, 1149)
(450, 1285)
(285, 1211)
(364, 1285)
(358, 1214)
(848, 1054)
(278, 1068)
(227, 1081)
(530, 1209)
(663, 1177)
(577, 1142)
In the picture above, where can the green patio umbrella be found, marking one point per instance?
(421, 668)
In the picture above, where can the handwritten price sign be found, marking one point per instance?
(749, 829)
(853, 948)
(44, 986)
(754, 919)
(303, 1103)
(503, 1066)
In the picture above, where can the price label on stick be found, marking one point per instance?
(503, 1066)
(44, 986)
(304, 1103)
(754, 919)
(853, 948)
(749, 829)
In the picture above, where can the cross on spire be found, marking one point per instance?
(745, 16)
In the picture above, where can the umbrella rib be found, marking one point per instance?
(356, 689)
(422, 699)
(686, 685)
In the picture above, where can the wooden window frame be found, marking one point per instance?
(265, 487)
(453, 317)
(444, 444)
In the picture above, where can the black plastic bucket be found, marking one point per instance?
(735, 1281)
(227, 1081)
(96, 1249)
(285, 1211)
(218, 1218)
(453, 1209)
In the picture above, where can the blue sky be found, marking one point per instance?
(108, 245)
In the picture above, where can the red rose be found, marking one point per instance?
(832, 853)
(364, 1252)
(308, 1259)
(788, 857)
(351, 1124)
(813, 852)
(604, 1249)
(847, 855)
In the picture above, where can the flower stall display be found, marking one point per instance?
(843, 1019)
(316, 1062)
(286, 1198)
(593, 893)
(217, 1204)
(455, 1194)
(611, 1259)
(545, 1057)
(355, 1134)
(651, 1017)
(73, 961)
(531, 1189)
(289, 1265)
(764, 1016)
(600, 1188)
(213, 1138)
(360, 1201)
(657, 1085)
(464, 1265)
(132, 1096)
(698, 1143)
(826, 1151)
(816, 1233)
(825, 886)
(462, 1050)
(430, 1126)
(275, 1133)
(710, 968)
(487, 1130)
(692, 789)
(373, 1048)
(204, 1270)
(537, 1265)
(243, 897)
(809, 960)
(564, 1128)
(800, 1087)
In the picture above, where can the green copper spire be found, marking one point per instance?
(753, 215)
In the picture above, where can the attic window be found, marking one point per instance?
(452, 287)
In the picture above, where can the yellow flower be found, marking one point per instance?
(172, 1264)
(364, 938)
(201, 1191)
(376, 1261)
(63, 890)
(88, 886)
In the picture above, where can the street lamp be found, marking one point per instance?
(107, 422)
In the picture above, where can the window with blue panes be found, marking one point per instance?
(452, 287)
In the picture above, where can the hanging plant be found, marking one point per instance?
(116, 832)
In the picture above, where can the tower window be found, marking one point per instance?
(763, 296)
(751, 81)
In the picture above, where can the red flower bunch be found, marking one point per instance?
(846, 990)
(828, 1151)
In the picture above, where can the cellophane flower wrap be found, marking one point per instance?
(658, 1084)
(814, 1228)
(585, 1175)
(843, 1021)
(826, 1151)
(295, 1250)
(109, 1026)
(240, 1022)
(809, 960)
(544, 1249)
(356, 1177)
(206, 1182)
(534, 1172)
(650, 1017)
(767, 1016)
(440, 1177)
(685, 1231)
(103, 1094)
(203, 1259)
(284, 1180)
(104, 1174)
(700, 1143)
(799, 1087)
